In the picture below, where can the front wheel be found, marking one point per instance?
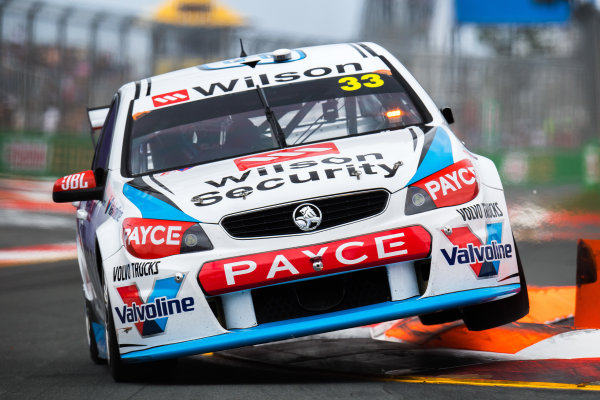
(499, 312)
(122, 372)
(119, 371)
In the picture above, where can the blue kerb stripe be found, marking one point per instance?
(153, 208)
(322, 323)
(438, 157)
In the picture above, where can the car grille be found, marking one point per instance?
(322, 295)
(336, 210)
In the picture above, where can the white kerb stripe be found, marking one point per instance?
(160, 99)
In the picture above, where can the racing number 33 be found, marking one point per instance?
(368, 80)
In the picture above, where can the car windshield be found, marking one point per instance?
(236, 124)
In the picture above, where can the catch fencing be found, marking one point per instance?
(533, 115)
(510, 103)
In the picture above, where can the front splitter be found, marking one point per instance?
(288, 329)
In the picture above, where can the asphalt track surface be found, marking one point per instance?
(43, 350)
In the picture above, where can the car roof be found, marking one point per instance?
(301, 59)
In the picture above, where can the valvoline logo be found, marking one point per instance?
(150, 317)
(484, 259)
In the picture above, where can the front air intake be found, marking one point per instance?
(278, 220)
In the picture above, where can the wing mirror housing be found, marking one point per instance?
(79, 187)
(96, 117)
(447, 113)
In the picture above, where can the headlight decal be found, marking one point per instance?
(155, 238)
(418, 201)
(453, 185)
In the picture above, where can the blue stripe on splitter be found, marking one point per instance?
(272, 331)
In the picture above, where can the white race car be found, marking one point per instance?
(279, 195)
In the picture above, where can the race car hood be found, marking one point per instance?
(390, 160)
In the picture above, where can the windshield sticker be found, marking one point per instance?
(264, 79)
(283, 155)
(166, 99)
(368, 80)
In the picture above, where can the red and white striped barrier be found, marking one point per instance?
(37, 254)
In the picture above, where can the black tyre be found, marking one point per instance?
(119, 371)
(496, 313)
(91, 336)
(441, 317)
(122, 372)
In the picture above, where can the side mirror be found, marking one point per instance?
(447, 113)
(97, 117)
(77, 187)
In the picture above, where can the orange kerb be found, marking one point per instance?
(550, 304)
(547, 305)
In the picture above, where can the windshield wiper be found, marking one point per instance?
(308, 133)
(275, 127)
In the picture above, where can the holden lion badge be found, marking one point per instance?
(307, 217)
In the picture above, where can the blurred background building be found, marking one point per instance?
(522, 76)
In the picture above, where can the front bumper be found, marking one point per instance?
(322, 323)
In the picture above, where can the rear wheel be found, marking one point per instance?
(499, 312)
